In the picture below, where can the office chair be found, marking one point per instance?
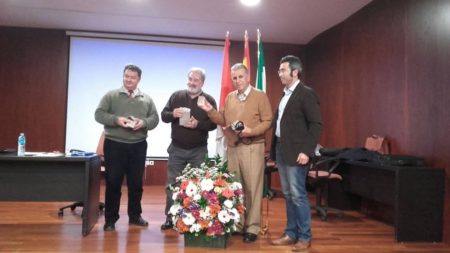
(320, 174)
(378, 143)
(270, 167)
(99, 152)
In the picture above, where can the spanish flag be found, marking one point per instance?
(246, 60)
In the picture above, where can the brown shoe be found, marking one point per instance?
(283, 240)
(301, 246)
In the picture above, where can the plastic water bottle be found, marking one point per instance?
(21, 141)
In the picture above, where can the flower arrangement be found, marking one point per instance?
(207, 200)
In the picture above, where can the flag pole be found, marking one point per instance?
(261, 85)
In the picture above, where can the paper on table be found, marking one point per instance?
(44, 154)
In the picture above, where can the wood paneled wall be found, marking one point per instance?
(385, 70)
(33, 87)
(272, 53)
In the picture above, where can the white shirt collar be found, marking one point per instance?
(243, 96)
(136, 91)
(292, 88)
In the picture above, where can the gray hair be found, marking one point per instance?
(238, 66)
(200, 71)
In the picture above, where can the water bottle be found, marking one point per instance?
(21, 145)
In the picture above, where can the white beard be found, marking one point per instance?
(194, 91)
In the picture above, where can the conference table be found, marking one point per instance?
(52, 179)
(415, 193)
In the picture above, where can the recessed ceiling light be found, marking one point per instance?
(250, 2)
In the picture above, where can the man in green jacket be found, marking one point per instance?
(127, 115)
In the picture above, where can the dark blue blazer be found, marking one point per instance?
(300, 125)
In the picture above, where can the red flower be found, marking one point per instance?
(215, 229)
(181, 226)
(219, 182)
(183, 185)
(214, 209)
(240, 208)
(228, 193)
(186, 202)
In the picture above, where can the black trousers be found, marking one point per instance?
(124, 159)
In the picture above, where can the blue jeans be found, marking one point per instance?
(297, 204)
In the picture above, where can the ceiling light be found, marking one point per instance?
(250, 2)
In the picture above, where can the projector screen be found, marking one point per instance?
(96, 66)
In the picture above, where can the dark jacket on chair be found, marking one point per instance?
(300, 125)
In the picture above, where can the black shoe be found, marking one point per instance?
(167, 225)
(249, 237)
(109, 227)
(138, 222)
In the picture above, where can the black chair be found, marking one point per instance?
(270, 167)
(101, 205)
(321, 173)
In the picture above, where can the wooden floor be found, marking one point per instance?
(36, 227)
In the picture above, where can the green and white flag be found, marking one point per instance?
(261, 73)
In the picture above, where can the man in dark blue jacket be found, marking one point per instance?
(297, 127)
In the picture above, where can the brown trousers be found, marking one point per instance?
(247, 162)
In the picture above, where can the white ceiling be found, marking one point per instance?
(283, 21)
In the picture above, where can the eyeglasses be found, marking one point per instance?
(283, 71)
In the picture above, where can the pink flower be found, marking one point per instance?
(196, 213)
(215, 229)
(227, 193)
(183, 185)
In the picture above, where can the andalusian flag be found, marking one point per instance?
(246, 60)
(261, 74)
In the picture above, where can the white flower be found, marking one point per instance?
(196, 184)
(207, 184)
(228, 203)
(188, 219)
(234, 214)
(235, 186)
(205, 214)
(174, 209)
(217, 189)
(195, 228)
(191, 189)
(223, 216)
(197, 197)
